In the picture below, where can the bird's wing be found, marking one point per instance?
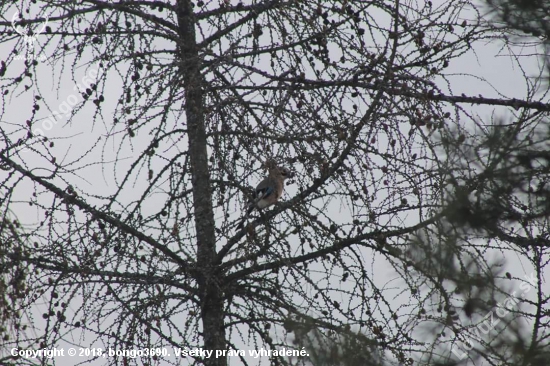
(264, 189)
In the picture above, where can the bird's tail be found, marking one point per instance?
(249, 210)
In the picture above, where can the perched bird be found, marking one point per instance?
(268, 190)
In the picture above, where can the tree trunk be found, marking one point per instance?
(208, 281)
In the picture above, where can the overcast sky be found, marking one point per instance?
(486, 70)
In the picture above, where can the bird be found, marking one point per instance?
(269, 190)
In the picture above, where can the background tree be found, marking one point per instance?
(182, 104)
(528, 20)
(14, 287)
